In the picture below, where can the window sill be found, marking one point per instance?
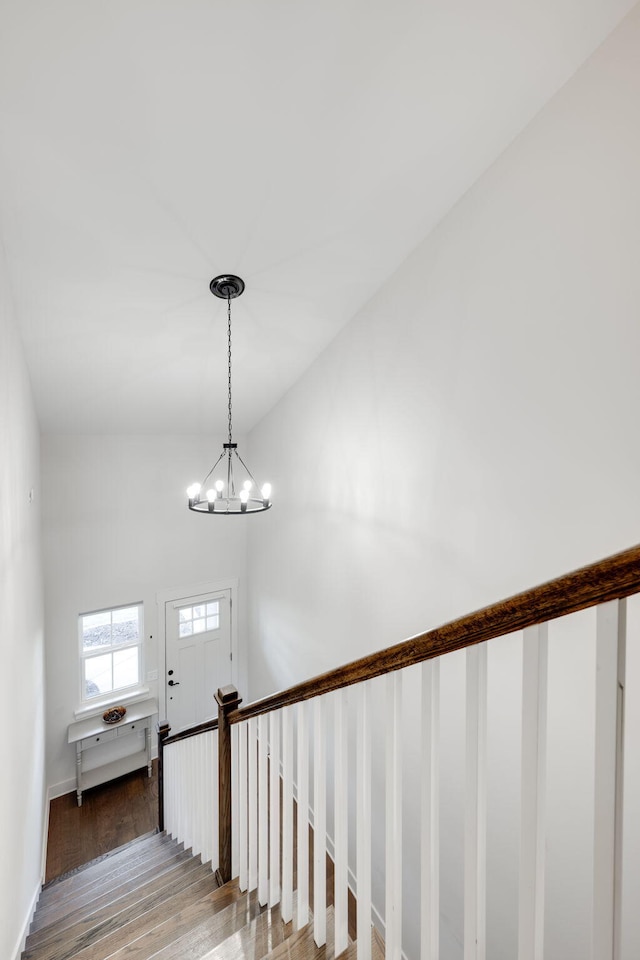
(100, 704)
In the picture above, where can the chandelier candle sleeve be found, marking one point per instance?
(231, 493)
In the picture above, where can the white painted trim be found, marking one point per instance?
(193, 591)
(96, 707)
(22, 936)
(45, 836)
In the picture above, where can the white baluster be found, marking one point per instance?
(475, 858)
(320, 821)
(274, 808)
(252, 761)
(243, 804)
(235, 801)
(393, 818)
(363, 838)
(263, 812)
(302, 916)
(341, 817)
(215, 804)
(607, 849)
(533, 793)
(430, 819)
(287, 815)
(213, 753)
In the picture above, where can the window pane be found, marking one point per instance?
(97, 675)
(185, 614)
(213, 623)
(96, 630)
(212, 608)
(198, 626)
(125, 667)
(125, 625)
(198, 611)
(186, 629)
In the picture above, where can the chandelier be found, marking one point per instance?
(233, 488)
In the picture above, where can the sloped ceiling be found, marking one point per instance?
(148, 145)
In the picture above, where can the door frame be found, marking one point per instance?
(177, 594)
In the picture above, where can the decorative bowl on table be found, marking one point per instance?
(114, 714)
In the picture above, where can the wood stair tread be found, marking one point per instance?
(97, 927)
(132, 929)
(255, 940)
(195, 929)
(96, 895)
(114, 895)
(60, 887)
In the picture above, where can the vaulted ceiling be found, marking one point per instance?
(148, 145)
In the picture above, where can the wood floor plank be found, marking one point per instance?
(105, 921)
(112, 814)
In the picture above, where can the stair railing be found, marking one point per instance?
(187, 794)
(256, 755)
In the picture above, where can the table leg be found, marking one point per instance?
(79, 774)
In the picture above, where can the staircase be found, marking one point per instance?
(152, 899)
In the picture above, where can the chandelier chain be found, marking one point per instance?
(229, 357)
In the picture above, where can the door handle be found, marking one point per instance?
(174, 683)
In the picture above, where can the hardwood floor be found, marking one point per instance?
(110, 816)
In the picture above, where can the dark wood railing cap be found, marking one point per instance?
(609, 579)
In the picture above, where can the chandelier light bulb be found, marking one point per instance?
(228, 287)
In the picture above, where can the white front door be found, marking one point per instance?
(198, 656)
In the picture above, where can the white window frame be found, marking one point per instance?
(120, 692)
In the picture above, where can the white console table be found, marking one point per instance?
(91, 734)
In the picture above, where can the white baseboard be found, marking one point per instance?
(59, 789)
(22, 938)
(45, 837)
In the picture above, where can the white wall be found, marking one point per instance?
(116, 529)
(473, 431)
(21, 638)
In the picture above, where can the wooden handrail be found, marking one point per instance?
(609, 579)
(191, 732)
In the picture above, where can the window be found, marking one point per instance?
(204, 616)
(110, 650)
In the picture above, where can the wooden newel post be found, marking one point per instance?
(227, 699)
(163, 730)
